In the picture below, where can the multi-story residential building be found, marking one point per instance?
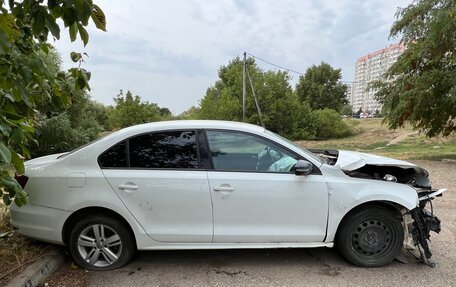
(370, 68)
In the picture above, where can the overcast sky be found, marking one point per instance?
(169, 52)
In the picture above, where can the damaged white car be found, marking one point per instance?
(219, 185)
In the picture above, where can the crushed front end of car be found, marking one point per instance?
(419, 221)
(418, 224)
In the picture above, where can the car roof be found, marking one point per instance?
(190, 124)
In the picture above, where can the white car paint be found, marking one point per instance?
(263, 210)
(352, 160)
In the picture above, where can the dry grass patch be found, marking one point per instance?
(373, 137)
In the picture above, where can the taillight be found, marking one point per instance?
(21, 179)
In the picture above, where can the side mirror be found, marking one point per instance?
(303, 167)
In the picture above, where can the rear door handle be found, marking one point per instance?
(223, 188)
(127, 187)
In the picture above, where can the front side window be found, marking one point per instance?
(234, 151)
(172, 149)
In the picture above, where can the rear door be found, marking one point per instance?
(159, 178)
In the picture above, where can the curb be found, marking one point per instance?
(447, 160)
(34, 274)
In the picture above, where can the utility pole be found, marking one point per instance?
(244, 88)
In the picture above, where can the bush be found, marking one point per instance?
(56, 135)
(328, 124)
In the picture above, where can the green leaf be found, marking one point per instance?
(57, 12)
(5, 153)
(81, 82)
(83, 33)
(8, 25)
(73, 31)
(5, 44)
(75, 57)
(17, 136)
(99, 18)
(26, 127)
(53, 26)
(86, 12)
(17, 162)
(6, 199)
(38, 22)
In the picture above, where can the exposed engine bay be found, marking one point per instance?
(418, 222)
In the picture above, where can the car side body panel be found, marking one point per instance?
(75, 181)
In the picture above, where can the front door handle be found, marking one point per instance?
(128, 187)
(223, 188)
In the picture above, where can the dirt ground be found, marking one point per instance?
(284, 267)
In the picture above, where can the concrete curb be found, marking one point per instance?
(35, 274)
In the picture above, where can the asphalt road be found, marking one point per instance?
(285, 267)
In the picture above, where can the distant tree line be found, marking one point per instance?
(311, 111)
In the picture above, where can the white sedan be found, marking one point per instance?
(219, 185)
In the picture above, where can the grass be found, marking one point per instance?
(16, 251)
(373, 137)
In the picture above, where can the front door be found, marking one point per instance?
(256, 195)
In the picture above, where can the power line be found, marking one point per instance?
(275, 65)
(291, 70)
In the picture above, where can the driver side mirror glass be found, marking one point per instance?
(303, 167)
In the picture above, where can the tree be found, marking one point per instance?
(420, 87)
(26, 80)
(281, 110)
(60, 129)
(131, 110)
(190, 114)
(320, 86)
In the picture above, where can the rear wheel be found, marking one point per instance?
(101, 243)
(371, 237)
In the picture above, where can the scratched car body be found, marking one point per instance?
(220, 185)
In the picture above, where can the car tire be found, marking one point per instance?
(100, 243)
(372, 237)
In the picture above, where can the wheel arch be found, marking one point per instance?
(394, 207)
(89, 211)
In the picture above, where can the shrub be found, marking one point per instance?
(328, 124)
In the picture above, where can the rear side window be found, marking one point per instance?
(173, 149)
(114, 157)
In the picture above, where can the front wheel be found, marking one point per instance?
(101, 243)
(370, 238)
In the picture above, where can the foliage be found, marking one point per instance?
(131, 110)
(56, 135)
(328, 124)
(420, 87)
(320, 86)
(346, 110)
(190, 114)
(281, 110)
(25, 79)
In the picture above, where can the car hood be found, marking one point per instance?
(352, 160)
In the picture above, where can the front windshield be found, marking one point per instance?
(307, 152)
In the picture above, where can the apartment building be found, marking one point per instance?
(370, 68)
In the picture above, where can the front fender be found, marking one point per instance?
(344, 196)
